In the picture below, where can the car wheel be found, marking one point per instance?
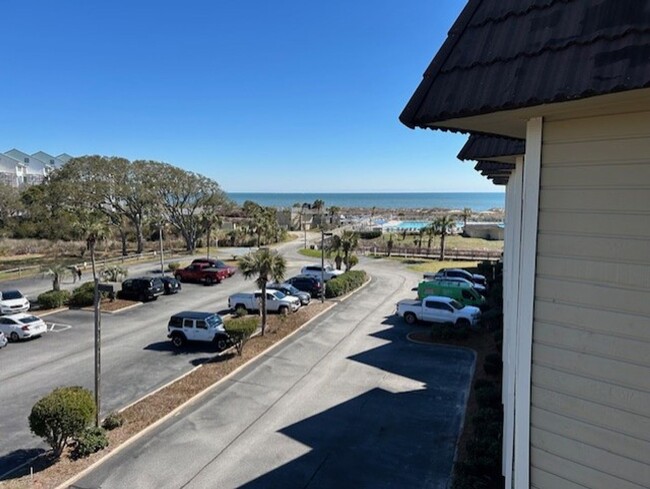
(142, 297)
(178, 277)
(178, 340)
(14, 336)
(410, 318)
(209, 281)
(222, 344)
(284, 310)
(462, 323)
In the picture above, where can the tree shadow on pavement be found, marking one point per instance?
(14, 459)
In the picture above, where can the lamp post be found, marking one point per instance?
(322, 263)
(160, 238)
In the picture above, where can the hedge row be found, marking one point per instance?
(345, 283)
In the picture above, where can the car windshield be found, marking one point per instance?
(456, 305)
(11, 294)
(278, 294)
(214, 320)
(292, 289)
(29, 319)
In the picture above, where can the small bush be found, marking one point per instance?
(345, 283)
(113, 274)
(54, 299)
(90, 440)
(62, 415)
(112, 421)
(83, 296)
(240, 330)
(369, 234)
(173, 266)
(240, 312)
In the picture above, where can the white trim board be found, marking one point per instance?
(526, 298)
(511, 259)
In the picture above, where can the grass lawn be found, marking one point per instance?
(312, 253)
(422, 266)
(451, 242)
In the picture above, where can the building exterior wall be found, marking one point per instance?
(590, 379)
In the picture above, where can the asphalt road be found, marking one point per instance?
(347, 402)
(137, 357)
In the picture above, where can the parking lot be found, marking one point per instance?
(137, 358)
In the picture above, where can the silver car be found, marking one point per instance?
(3, 340)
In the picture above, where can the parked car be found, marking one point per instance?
(316, 271)
(201, 272)
(464, 293)
(21, 326)
(217, 264)
(13, 301)
(3, 340)
(458, 273)
(171, 285)
(141, 289)
(197, 326)
(289, 289)
(438, 309)
(306, 283)
(276, 301)
(458, 280)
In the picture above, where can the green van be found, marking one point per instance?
(463, 293)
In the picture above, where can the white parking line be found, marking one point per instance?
(58, 327)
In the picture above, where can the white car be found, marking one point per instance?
(3, 340)
(317, 272)
(13, 301)
(22, 326)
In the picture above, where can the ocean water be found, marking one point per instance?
(477, 201)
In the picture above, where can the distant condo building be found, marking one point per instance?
(19, 169)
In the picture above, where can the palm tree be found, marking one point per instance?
(444, 224)
(263, 265)
(390, 244)
(465, 215)
(93, 227)
(335, 246)
(431, 230)
(209, 220)
(349, 243)
(57, 272)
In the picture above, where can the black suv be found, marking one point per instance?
(141, 289)
(306, 284)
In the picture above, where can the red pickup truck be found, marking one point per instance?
(216, 264)
(201, 272)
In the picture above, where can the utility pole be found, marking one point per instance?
(98, 342)
(160, 239)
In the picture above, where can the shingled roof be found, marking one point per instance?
(509, 54)
(479, 147)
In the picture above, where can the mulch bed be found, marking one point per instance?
(50, 474)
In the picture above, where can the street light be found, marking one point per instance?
(322, 263)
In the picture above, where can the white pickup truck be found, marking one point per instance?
(438, 309)
(276, 301)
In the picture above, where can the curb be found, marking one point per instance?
(52, 311)
(187, 403)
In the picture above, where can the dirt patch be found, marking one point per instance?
(112, 306)
(49, 474)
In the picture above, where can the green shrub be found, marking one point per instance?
(113, 274)
(369, 234)
(83, 296)
(90, 440)
(53, 299)
(240, 312)
(173, 266)
(112, 421)
(345, 283)
(240, 330)
(62, 415)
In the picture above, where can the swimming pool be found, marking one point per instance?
(405, 225)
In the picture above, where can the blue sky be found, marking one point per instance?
(284, 96)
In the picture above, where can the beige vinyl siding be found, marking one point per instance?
(590, 397)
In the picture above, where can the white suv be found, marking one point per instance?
(317, 272)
